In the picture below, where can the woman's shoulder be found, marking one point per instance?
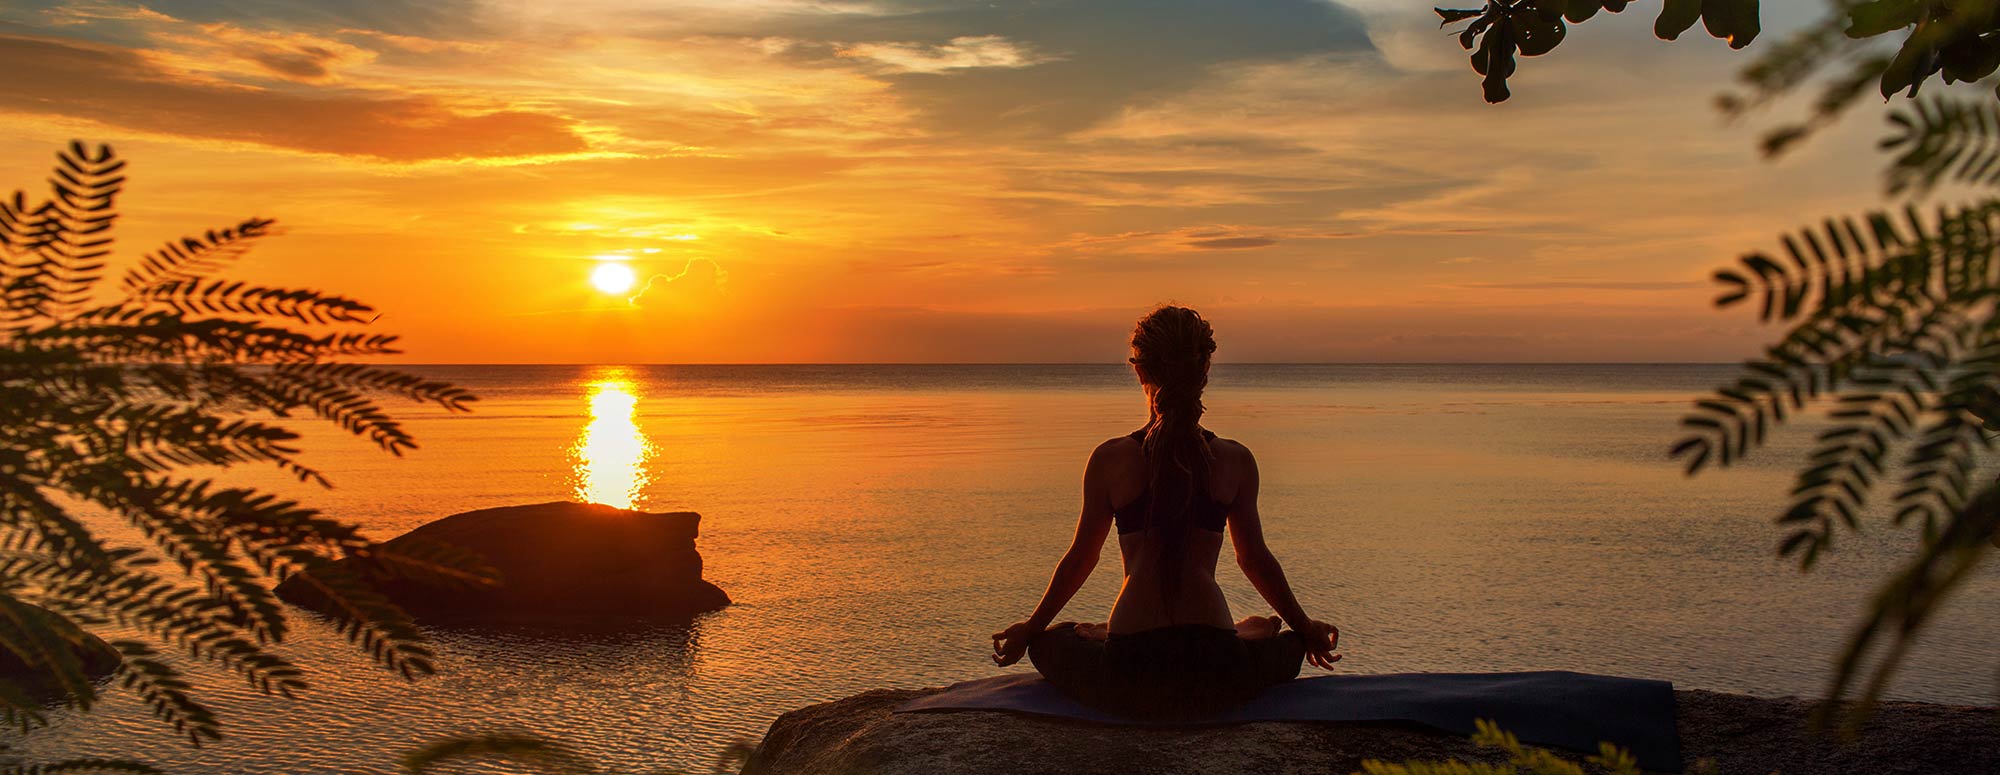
(1117, 446)
(1230, 450)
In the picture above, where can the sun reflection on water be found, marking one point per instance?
(611, 454)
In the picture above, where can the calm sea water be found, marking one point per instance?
(876, 523)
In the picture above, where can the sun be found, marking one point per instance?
(613, 278)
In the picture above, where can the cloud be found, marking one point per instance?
(1232, 243)
(120, 87)
(1102, 55)
(420, 45)
(410, 17)
(962, 53)
(289, 56)
(716, 277)
(89, 13)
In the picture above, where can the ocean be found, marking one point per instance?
(876, 524)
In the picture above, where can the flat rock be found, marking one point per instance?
(559, 562)
(861, 735)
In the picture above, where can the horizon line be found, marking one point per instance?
(1063, 363)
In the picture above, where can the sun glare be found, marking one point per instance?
(613, 278)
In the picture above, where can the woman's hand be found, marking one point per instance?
(1009, 644)
(1320, 639)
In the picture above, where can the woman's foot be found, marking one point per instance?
(1094, 630)
(1259, 627)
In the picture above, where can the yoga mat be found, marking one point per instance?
(1555, 709)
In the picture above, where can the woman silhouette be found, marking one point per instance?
(1172, 490)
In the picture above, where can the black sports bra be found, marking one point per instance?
(1208, 514)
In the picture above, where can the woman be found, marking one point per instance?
(1170, 489)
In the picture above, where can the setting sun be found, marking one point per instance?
(613, 278)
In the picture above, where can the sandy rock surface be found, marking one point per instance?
(861, 736)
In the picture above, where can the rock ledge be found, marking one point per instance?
(1750, 735)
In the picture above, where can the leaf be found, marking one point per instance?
(1905, 69)
(82, 765)
(1452, 15)
(1676, 16)
(1538, 36)
(1495, 59)
(1867, 20)
(1579, 11)
(1733, 20)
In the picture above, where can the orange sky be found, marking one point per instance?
(931, 180)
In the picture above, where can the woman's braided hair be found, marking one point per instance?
(1171, 349)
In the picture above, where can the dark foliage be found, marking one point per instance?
(1890, 320)
(1500, 29)
(1954, 41)
(1889, 316)
(540, 753)
(111, 392)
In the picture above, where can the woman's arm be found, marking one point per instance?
(1246, 533)
(1092, 526)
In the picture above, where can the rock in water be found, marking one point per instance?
(99, 660)
(559, 562)
(1741, 735)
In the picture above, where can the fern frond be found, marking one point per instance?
(545, 755)
(1849, 263)
(192, 258)
(252, 517)
(433, 563)
(20, 709)
(166, 690)
(1849, 293)
(23, 505)
(1904, 605)
(51, 253)
(360, 613)
(154, 437)
(199, 625)
(1938, 468)
(98, 404)
(351, 409)
(82, 765)
(1871, 421)
(1818, 357)
(1943, 139)
(166, 336)
(193, 297)
(361, 377)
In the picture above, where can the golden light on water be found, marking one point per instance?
(611, 454)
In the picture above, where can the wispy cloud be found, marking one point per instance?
(119, 87)
(960, 53)
(711, 277)
(227, 48)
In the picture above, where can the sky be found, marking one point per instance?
(936, 180)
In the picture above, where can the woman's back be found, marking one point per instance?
(1173, 491)
(1158, 590)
